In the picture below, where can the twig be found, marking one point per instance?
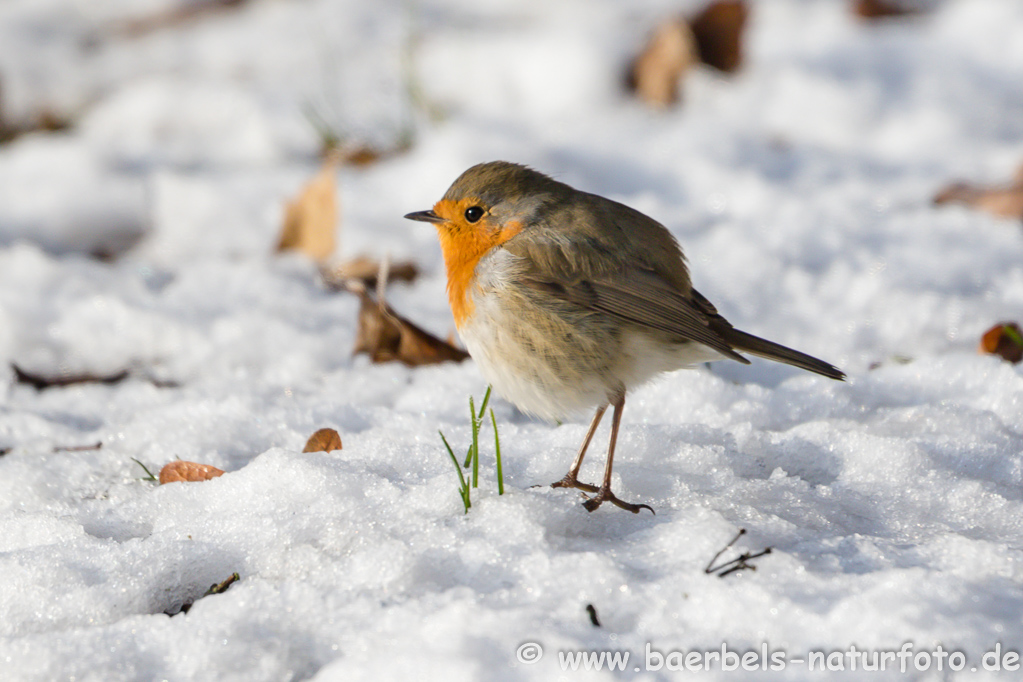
(77, 448)
(738, 564)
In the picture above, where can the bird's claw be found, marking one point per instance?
(605, 495)
(570, 481)
(602, 495)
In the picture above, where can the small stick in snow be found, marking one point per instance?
(738, 564)
(77, 448)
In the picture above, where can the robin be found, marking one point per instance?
(567, 300)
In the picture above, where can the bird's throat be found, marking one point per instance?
(463, 248)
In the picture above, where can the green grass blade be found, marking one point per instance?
(475, 444)
(463, 488)
(149, 474)
(469, 451)
(497, 451)
(483, 407)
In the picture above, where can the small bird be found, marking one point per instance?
(567, 300)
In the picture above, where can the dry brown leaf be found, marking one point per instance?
(1004, 202)
(310, 220)
(718, 33)
(175, 16)
(881, 9)
(385, 336)
(188, 471)
(656, 73)
(324, 440)
(356, 153)
(44, 120)
(1004, 339)
(366, 270)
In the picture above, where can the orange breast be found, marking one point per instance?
(463, 245)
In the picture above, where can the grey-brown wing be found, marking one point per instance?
(640, 297)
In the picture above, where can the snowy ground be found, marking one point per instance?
(799, 188)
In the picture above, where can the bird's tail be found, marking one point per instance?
(755, 345)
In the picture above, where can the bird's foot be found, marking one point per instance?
(570, 481)
(605, 495)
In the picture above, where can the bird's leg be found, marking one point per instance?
(604, 493)
(571, 479)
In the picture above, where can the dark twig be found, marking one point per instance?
(738, 564)
(77, 448)
(41, 382)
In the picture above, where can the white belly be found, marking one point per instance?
(555, 359)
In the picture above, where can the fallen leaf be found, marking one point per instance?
(44, 120)
(349, 151)
(1003, 202)
(882, 9)
(324, 440)
(1004, 339)
(386, 336)
(656, 73)
(188, 472)
(310, 220)
(181, 13)
(718, 33)
(366, 270)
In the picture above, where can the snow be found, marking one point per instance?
(801, 191)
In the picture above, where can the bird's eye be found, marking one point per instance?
(473, 213)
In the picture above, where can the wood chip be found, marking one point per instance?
(188, 472)
(1004, 339)
(324, 440)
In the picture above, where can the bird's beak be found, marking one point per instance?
(425, 217)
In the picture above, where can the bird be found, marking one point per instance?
(567, 300)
